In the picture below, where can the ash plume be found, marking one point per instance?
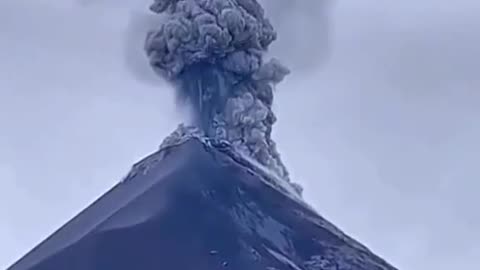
(213, 53)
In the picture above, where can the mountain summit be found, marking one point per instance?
(197, 205)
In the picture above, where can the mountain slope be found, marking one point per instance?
(194, 204)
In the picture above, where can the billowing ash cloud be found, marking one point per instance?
(212, 50)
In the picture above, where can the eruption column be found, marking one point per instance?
(212, 51)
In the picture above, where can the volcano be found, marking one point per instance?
(197, 205)
(216, 194)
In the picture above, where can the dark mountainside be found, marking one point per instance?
(196, 205)
(216, 194)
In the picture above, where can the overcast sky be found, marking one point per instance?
(380, 123)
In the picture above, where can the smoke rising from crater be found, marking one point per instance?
(213, 52)
(303, 29)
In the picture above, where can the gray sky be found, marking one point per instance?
(383, 134)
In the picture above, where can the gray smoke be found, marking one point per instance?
(213, 52)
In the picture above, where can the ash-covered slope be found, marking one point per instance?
(196, 205)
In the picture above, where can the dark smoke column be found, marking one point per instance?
(212, 50)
